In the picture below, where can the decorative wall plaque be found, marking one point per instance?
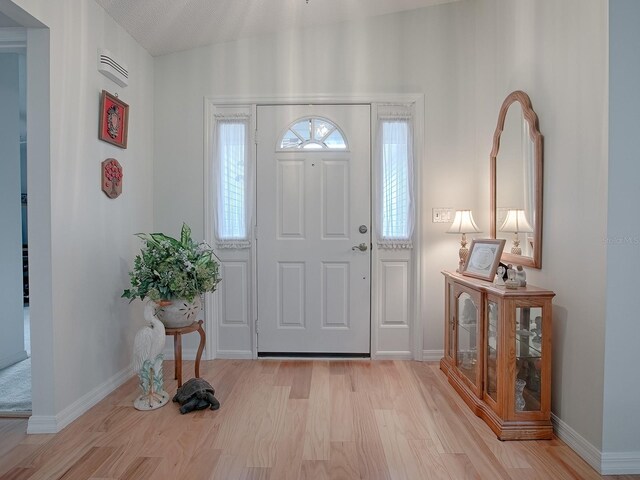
(112, 177)
(114, 120)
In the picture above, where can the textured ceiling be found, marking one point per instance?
(165, 26)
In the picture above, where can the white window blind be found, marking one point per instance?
(395, 187)
(232, 174)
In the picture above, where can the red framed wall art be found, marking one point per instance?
(114, 120)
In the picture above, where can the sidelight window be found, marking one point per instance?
(231, 181)
(395, 208)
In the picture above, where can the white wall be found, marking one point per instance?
(11, 317)
(82, 331)
(622, 386)
(466, 57)
(556, 51)
(419, 51)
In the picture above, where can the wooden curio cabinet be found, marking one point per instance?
(497, 354)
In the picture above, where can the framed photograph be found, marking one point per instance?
(114, 120)
(483, 259)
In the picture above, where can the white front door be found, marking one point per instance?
(313, 208)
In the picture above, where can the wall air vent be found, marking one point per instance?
(111, 68)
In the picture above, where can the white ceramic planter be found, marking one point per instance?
(179, 312)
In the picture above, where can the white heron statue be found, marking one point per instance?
(147, 361)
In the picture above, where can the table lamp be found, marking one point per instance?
(516, 222)
(463, 223)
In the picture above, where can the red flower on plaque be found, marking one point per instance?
(112, 177)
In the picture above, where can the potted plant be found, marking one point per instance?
(174, 274)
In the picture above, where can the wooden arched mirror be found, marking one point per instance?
(516, 182)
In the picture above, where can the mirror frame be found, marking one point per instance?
(536, 137)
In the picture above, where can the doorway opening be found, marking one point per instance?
(15, 361)
(20, 29)
(266, 290)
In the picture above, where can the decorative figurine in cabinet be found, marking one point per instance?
(498, 354)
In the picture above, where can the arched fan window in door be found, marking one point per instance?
(313, 133)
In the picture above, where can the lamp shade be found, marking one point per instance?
(516, 221)
(463, 223)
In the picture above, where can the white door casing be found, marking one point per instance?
(313, 287)
(231, 313)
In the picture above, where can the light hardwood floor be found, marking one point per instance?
(289, 420)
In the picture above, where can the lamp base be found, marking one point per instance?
(463, 253)
(515, 249)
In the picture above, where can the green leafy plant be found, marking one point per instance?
(168, 268)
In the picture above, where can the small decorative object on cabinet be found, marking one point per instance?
(511, 281)
(521, 276)
(496, 355)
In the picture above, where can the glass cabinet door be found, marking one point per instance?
(492, 351)
(451, 321)
(528, 338)
(467, 334)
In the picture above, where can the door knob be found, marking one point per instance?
(362, 247)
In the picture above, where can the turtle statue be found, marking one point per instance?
(196, 394)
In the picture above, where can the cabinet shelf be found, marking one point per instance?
(482, 360)
(469, 372)
(532, 403)
(526, 348)
(472, 328)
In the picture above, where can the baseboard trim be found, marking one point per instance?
(12, 359)
(187, 353)
(42, 424)
(55, 423)
(190, 354)
(577, 442)
(400, 355)
(620, 463)
(605, 463)
(235, 354)
(432, 355)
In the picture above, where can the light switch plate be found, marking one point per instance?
(442, 215)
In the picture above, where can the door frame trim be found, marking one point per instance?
(415, 295)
